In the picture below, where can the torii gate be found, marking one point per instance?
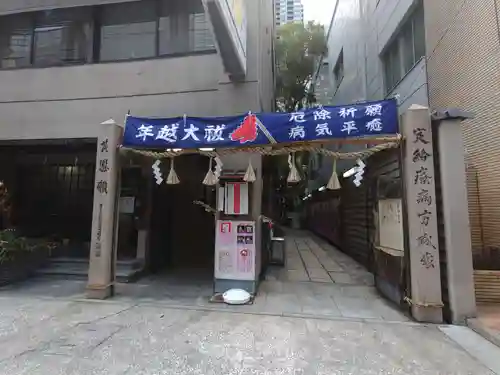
(283, 133)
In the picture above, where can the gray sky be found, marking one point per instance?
(318, 10)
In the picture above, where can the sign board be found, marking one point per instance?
(127, 205)
(235, 250)
(370, 119)
(229, 21)
(390, 219)
(236, 12)
(236, 198)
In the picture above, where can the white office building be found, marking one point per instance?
(289, 11)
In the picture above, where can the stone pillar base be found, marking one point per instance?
(99, 291)
(427, 314)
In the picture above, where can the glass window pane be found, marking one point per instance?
(407, 47)
(15, 41)
(338, 71)
(128, 31)
(419, 33)
(386, 61)
(200, 34)
(167, 25)
(62, 36)
(184, 27)
(392, 66)
(395, 63)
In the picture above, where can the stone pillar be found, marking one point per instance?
(421, 218)
(456, 221)
(103, 242)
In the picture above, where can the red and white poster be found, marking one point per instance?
(235, 250)
(236, 198)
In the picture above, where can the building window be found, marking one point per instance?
(183, 28)
(49, 38)
(61, 36)
(154, 28)
(128, 31)
(338, 70)
(115, 32)
(392, 66)
(405, 50)
(15, 41)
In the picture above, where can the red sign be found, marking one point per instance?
(225, 227)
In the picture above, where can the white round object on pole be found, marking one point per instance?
(236, 297)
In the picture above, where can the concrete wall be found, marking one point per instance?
(346, 34)
(363, 30)
(464, 71)
(70, 102)
(413, 88)
(383, 23)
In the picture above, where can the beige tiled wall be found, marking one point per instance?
(463, 67)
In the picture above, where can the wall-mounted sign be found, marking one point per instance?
(390, 219)
(229, 22)
(235, 250)
(236, 200)
(127, 205)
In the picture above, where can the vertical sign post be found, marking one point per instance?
(101, 268)
(419, 175)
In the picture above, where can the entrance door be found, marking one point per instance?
(183, 233)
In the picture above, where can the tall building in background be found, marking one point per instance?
(289, 11)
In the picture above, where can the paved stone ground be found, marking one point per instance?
(487, 322)
(321, 324)
(40, 337)
(308, 258)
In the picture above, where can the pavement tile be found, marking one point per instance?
(341, 278)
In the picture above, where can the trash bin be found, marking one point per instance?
(277, 251)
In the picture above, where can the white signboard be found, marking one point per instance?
(127, 205)
(235, 250)
(237, 14)
(229, 21)
(391, 224)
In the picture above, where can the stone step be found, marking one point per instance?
(126, 271)
(133, 263)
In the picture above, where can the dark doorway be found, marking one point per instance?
(51, 186)
(182, 232)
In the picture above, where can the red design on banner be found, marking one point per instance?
(247, 131)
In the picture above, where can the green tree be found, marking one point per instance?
(299, 48)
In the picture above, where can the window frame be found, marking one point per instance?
(398, 42)
(30, 20)
(102, 9)
(339, 67)
(75, 20)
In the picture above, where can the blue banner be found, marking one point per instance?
(314, 124)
